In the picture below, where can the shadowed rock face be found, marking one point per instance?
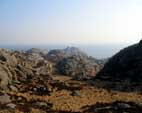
(114, 107)
(125, 65)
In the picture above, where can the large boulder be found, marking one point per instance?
(5, 77)
(8, 57)
(17, 67)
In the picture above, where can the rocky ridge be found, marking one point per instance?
(23, 66)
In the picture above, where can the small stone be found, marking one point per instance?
(34, 89)
(99, 109)
(75, 93)
(11, 105)
(44, 104)
(41, 90)
(41, 104)
(19, 98)
(16, 82)
(123, 105)
(13, 88)
(4, 99)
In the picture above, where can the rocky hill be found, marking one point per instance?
(71, 61)
(23, 66)
(19, 67)
(33, 82)
(57, 55)
(124, 67)
(27, 77)
(79, 68)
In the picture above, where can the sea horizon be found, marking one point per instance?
(99, 51)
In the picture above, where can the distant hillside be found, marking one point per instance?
(58, 54)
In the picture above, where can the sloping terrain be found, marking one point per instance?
(125, 65)
(70, 96)
(32, 83)
(28, 80)
(124, 70)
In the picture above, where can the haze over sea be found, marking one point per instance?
(99, 27)
(97, 51)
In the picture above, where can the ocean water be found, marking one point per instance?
(97, 51)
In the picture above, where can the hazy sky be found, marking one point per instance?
(70, 21)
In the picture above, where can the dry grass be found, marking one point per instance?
(62, 99)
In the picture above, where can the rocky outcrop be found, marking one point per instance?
(56, 55)
(124, 67)
(37, 51)
(59, 54)
(8, 57)
(34, 64)
(71, 61)
(77, 67)
(16, 66)
(73, 51)
(5, 77)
